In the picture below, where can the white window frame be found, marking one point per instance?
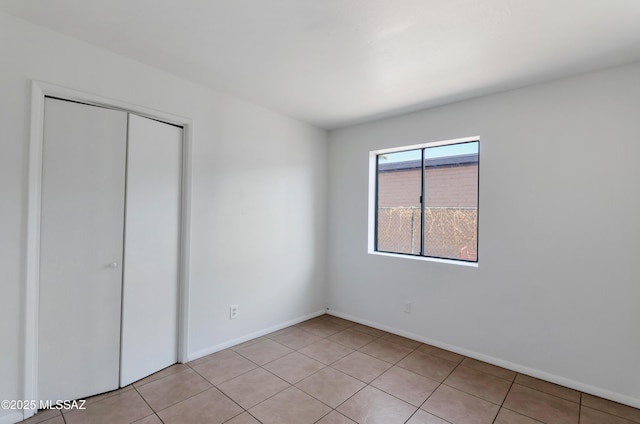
(373, 157)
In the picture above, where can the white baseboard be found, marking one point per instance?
(233, 342)
(11, 418)
(572, 384)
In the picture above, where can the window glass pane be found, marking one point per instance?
(399, 210)
(451, 201)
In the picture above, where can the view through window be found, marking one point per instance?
(427, 201)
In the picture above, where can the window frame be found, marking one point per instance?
(372, 247)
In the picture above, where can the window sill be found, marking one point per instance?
(427, 259)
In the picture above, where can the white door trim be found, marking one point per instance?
(32, 264)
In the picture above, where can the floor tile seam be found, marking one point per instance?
(147, 403)
(550, 394)
(411, 372)
(511, 383)
(371, 356)
(330, 318)
(311, 332)
(161, 378)
(347, 399)
(328, 365)
(237, 415)
(319, 400)
(63, 412)
(154, 413)
(606, 412)
(431, 394)
(580, 409)
(450, 372)
(243, 344)
(457, 364)
(336, 341)
(49, 419)
(396, 344)
(332, 334)
(301, 347)
(421, 375)
(268, 362)
(321, 338)
(276, 394)
(511, 380)
(342, 344)
(548, 382)
(180, 401)
(310, 375)
(273, 374)
(507, 394)
(384, 360)
(612, 414)
(476, 396)
(392, 395)
(285, 355)
(362, 381)
(440, 383)
(256, 366)
(384, 333)
(236, 403)
(313, 396)
(430, 413)
(342, 328)
(520, 413)
(226, 381)
(322, 417)
(111, 394)
(252, 416)
(525, 414)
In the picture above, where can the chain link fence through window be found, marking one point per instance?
(449, 232)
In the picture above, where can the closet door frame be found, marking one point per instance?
(40, 90)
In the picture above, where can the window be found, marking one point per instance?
(424, 200)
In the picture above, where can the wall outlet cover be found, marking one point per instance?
(233, 311)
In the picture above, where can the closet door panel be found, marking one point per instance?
(84, 154)
(152, 239)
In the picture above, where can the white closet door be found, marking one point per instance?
(152, 239)
(81, 250)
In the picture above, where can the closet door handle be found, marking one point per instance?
(113, 265)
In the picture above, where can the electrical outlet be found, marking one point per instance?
(233, 311)
(407, 307)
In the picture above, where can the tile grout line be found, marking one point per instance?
(145, 401)
(550, 394)
(439, 385)
(580, 409)
(505, 398)
(221, 391)
(374, 339)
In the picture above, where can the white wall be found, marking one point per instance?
(258, 199)
(557, 290)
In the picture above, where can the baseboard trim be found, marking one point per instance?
(572, 384)
(236, 341)
(11, 418)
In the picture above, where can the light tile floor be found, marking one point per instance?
(331, 371)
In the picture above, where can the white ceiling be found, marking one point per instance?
(337, 62)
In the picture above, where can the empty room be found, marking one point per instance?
(332, 212)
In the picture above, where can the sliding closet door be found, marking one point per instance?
(81, 252)
(152, 239)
